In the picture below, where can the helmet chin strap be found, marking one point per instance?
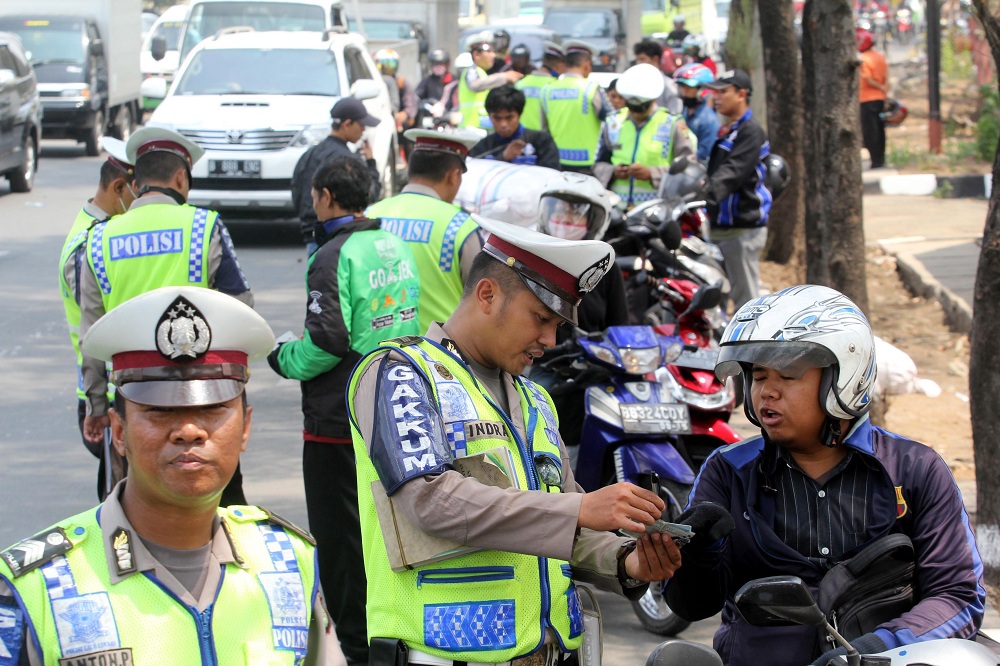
(831, 434)
(169, 191)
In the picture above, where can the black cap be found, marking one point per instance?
(520, 51)
(351, 108)
(737, 78)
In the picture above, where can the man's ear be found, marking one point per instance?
(180, 179)
(487, 291)
(455, 177)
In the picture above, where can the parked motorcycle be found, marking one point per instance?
(904, 28)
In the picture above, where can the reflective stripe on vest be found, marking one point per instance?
(651, 146)
(469, 608)
(568, 106)
(261, 612)
(533, 86)
(149, 247)
(435, 230)
(473, 104)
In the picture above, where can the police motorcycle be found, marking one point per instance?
(786, 600)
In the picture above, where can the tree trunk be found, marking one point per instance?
(785, 228)
(984, 362)
(835, 238)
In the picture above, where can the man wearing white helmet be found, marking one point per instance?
(641, 141)
(159, 241)
(818, 486)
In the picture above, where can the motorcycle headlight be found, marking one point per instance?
(673, 351)
(640, 361)
(310, 135)
(672, 391)
(604, 354)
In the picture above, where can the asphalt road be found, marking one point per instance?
(47, 473)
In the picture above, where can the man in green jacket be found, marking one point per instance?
(362, 288)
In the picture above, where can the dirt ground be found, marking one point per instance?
(916, 326)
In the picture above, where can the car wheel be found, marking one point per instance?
(93, 140)
(22, 179)
(124, 123)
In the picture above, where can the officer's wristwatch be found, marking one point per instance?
(623, 577)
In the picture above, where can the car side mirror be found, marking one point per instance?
(7, 75)
(366, 88)
(97, 48)
(778, 601)
(153, 88)
(158, 47)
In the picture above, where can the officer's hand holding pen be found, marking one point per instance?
(622, 506)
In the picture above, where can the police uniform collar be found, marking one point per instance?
(131, 556)
(95, 211)
(153, 198)
(417, 188)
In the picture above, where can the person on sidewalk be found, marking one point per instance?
(874, 81)
(818, 486)
(738, 200)
(347, 313)
(511, 141)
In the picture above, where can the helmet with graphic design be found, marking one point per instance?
(894, 113)
(694, 75)
(799, 328)
(694, 46)
(387, 59)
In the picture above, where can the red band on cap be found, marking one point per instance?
(168, 146)
(154, 359)
(556, 275)
(123, 166)
(443, 145)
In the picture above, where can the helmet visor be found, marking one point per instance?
(789, 357)
(567, 219)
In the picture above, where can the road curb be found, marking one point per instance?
(919, 281)
(925, 184)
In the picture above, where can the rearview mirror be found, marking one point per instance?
(706, 298)
(158, 47)
(153, 88)
(778, 601)
(678, 165)
(366, 89)
(670, 233)
(6, 76)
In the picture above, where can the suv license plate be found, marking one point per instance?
(234, 168)
(646, 417)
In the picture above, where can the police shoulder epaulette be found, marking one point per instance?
(27, 555)
(290, 526)
(403, 340)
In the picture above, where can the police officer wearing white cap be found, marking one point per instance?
(159, 573)
(574, 107)
(442, 236)
(475, 83)
(533, 85)
(418, 404)
(115, 192)
(159, 241)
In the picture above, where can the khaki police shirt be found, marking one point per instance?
(536, 523)
(324, 646)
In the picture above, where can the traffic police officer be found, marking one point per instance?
(114, 195)
(417, 404)
(573, 109)
(533, 85)
(160, 241)
(642, 140)
(442, 236)
(475, 83)
(158, 573)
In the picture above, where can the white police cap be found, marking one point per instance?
(179, 346)
(117, 154)
(559, 272)
(571, 46)
(154, 139)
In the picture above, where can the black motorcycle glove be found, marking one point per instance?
(710, 523)
(864, 644)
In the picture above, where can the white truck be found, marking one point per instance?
(86, 58)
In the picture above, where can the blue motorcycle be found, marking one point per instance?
(630, 427)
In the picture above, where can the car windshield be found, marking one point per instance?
(208, 18)
(579, 25)
(48, 41)
(170, 31)
(261, 72)
(386, 29)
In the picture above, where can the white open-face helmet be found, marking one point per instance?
(640, 84)
(804, 327)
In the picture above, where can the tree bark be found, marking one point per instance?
(984, 361)
(786, 226)
(835, 238)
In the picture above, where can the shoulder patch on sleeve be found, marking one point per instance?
(32, 553)
(404, 340)
(290, 526)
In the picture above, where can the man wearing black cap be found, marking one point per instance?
(519, 60)
(419, 404)
(160, 241)
(738, 201)
(350, 118)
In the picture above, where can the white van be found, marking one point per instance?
(207, 17)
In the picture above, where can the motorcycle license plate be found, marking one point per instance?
(704, 358)
(646, 417)
(234, 168)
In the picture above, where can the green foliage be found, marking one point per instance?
(988, 127)
(900, 157)
(944, 190)
(956, 62)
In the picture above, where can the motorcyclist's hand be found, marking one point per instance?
(513, 150)
(709, 522)
(366, 149)
(656, 557)
(639, 171)
(513, 76)
(623, 506)
(93, 427)
(864, 644)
